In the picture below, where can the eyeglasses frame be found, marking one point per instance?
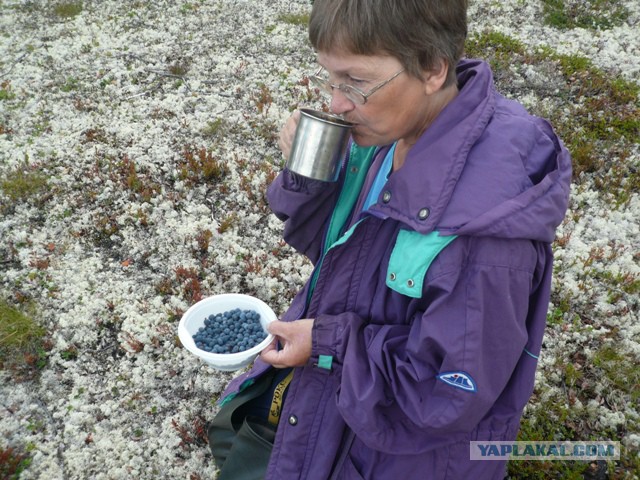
(347, 89)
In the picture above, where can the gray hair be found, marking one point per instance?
(419, 33)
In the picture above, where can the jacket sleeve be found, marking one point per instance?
(305, 205)
(474, 322)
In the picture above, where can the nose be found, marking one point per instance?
(339, 103)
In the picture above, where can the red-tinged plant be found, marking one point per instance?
(191, 287)
(12, 463)
(192, 434)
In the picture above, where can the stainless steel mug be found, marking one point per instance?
(319, 145)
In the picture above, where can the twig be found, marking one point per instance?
(108, 347)
(162, 73)
(14, 64)
(155, 86)
(221, 94)
(134, 56)
(212, 207)
(141, 94)
(165, 74)
(52, 422)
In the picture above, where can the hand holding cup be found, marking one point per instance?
(314, 143)
(288, 133)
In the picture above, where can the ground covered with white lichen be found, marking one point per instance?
(136, 143)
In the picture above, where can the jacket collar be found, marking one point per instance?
(434, 164)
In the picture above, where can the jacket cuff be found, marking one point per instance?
(327, 338)
(297, 183)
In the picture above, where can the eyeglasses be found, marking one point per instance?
(352, 93)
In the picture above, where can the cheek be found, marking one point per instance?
(382, 122)
(386, 118)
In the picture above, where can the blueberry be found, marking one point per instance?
(229, 332)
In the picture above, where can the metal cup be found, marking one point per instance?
(319, 144)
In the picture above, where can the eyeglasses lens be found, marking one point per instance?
(347, 90)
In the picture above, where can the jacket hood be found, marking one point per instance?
(484, 167)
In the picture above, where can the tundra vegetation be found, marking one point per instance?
(135, 148)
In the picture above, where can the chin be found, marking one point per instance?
(363, 140)
(368, 140)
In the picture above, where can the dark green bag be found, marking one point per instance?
(241, 443)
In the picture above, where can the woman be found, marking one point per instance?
(420, 327)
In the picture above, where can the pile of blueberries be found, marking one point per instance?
(230, 332)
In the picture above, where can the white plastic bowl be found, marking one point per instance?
(194, 318)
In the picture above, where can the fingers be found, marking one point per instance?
(288, 133)
(295, 340)
(272, 356)
(278, 328)
(273, 346)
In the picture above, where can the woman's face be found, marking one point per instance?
(401, 110)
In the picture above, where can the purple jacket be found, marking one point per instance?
(430, 307)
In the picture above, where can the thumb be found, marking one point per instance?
(277, 327)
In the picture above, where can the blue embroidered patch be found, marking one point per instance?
(460, 380)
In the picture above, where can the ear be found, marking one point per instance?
(435, 77)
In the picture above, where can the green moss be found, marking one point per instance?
(22, 350)
(70, 84)
(555, 14)
(67, 9)
(6, 94)
(555, 317)
(497, 48)
(619, 373)
(621, 183)
(605, 373)
(623, 90)
(590, 14)
(551, 420)
(570, 64)
(23, 183)
(563, 307)
(580, 72)
(571, 374)
(70, 353)
(17, 329)
(301, 19)
(216, 128)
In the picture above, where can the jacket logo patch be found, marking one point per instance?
(460, 380)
